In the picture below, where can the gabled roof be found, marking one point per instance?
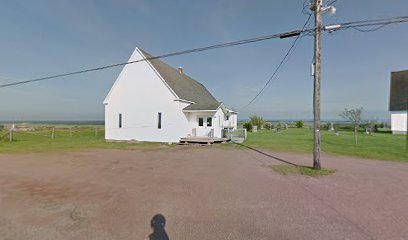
(185, 87)
(399, 91)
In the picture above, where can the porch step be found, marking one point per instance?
(201, 140)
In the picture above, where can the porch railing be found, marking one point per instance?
(211, 133)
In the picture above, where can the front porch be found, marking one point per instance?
(203, 140)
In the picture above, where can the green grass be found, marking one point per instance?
(382, 146)
(377, 146)
(82, 138)
(285, 169)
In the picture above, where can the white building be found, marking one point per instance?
(151, 101)
(399, 102)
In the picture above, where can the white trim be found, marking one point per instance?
(200, 110)
(105, 101)
(183, 100)
(221, 105)
(223, 108)
(231, 111)
(158, 74)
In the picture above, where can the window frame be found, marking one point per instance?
(120, 125)
(159, 120)
(209, 118)
(202, 121)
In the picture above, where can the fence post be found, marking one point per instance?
(70, 131)
(245, 133)
(11, 135)
(53, 132)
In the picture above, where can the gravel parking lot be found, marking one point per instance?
(199, 192)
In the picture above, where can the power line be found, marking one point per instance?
(355, 25)
(361, 26)
(371, 29)
(375, 20)
(279, 66)
(377, 24)
(216, 46)
(305, 8)
(364, 23)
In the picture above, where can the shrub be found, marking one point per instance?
(267, 126)
(299, 124)
(278, 126)
(325, 126)
(346, 127)
(257, 121)
(370, 127)
(248, 126)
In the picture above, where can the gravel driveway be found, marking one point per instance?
(198, 192)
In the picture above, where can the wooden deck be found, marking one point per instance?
(202, 140)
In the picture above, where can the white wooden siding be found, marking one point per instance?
(399, 122)
(139, 94)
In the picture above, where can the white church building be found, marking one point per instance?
(154, 102)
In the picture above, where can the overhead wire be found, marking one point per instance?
(216, 46)
(281, 63)
(355, 24)
(305, 31)
(371, 29)
(377, 24)
(375, 20)
(305, 7)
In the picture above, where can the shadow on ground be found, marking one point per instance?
(268, 155)
(157, 224)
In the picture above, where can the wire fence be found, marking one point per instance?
(13, 132)
(238, 135)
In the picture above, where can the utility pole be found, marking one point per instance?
(316, 8)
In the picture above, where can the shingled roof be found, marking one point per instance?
(185, 87)
(399, 91)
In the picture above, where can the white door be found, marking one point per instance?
(205, 127)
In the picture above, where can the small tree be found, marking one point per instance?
(257, 121)
(299, 124)
(354, 116)
(248, 126)
(267, 126)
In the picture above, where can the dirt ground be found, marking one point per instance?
(201, 192)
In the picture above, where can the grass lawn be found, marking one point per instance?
(286, 169)
(377, 146)
(383, 146)
(82, 138)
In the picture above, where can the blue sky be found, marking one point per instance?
(46, 37)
